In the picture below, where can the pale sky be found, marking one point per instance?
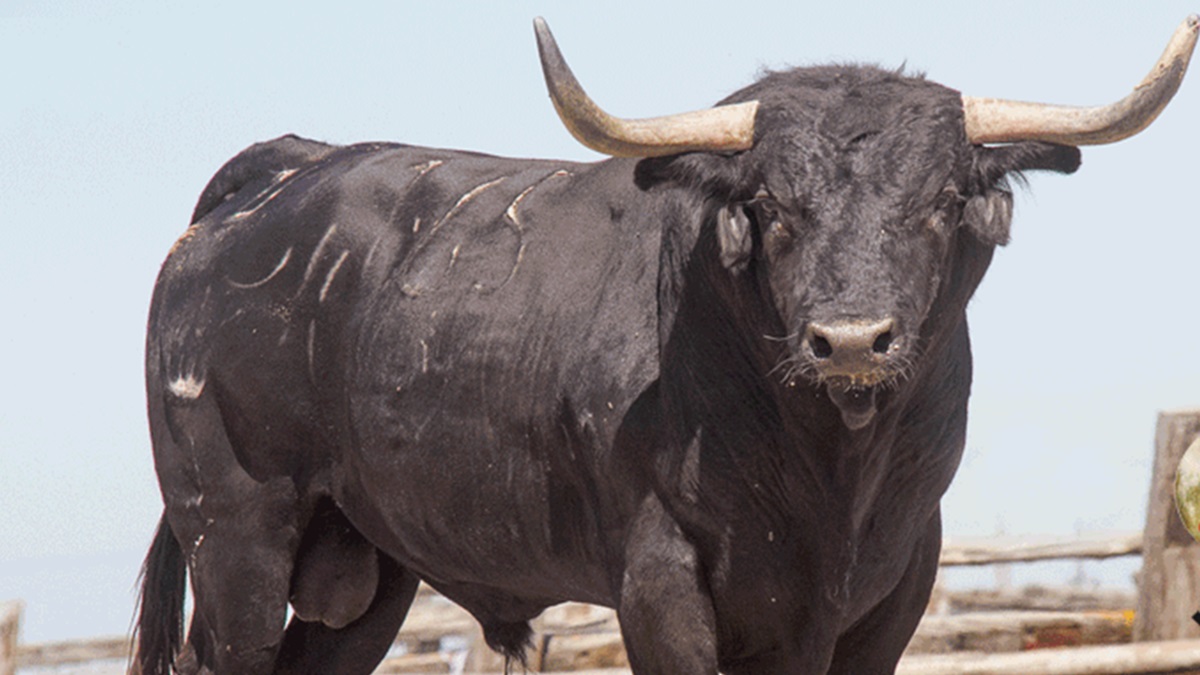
(112, 120)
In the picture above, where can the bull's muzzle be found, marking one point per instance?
(853, 357)
(857, 350)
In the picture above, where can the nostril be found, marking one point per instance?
(821, 347)
(882, 343)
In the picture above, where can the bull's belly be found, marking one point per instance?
(475, 518)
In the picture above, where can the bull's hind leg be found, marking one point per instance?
(238, 537)
(241, 567)
(240, 558)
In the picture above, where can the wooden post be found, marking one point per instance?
(10, 625)
(1169, 589)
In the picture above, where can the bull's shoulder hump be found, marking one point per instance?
(286, 153)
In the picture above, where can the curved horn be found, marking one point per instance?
(990, 120)
(727, 128)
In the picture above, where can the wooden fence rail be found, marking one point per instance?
(995, 550)
(579, 636)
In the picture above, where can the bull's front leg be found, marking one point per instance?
(666, 614)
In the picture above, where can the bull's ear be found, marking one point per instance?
(989, 216)
(710, 173)
(733, 235)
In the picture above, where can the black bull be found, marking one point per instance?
(720, 386)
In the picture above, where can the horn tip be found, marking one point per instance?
(542, 29)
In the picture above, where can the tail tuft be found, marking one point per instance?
(511, 640)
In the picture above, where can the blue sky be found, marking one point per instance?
(112, 120)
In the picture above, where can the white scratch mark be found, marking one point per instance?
(463, 200)
(425, 168)
(511, 211)
(366, 263)
(454, 255)
(417, 225)
(262, 198)
(196, 548)
(424, 357)
(329, 277)
(187, 387)
(511, 273)
(287, 255)
(316, 255)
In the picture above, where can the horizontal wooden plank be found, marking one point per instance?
(1035, 598)
(1145, 658)
(1010, 631)
(72, 651)
(991, 550)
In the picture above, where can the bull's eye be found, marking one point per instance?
(945, 209)
(767, 209)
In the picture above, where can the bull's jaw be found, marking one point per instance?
(857, 404)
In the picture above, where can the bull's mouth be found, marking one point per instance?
(855, 401)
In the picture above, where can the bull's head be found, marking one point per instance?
(849, 195)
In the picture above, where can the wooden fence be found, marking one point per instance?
(993, 627)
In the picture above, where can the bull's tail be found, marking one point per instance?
(158, 633)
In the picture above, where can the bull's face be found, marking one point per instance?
(856, 220)
(851, 284)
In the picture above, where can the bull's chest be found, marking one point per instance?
(797, 580)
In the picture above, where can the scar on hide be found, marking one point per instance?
(511, 211)
(187, 234)
(424, 356)
(187, 387)
(426, 167)
(366, 263)
(263, 198)
(196, 548)
(421, 170)
(287, 255)
(514, 220)
(329, 277)
(316, 255)
(480, 288)
(464, 200)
